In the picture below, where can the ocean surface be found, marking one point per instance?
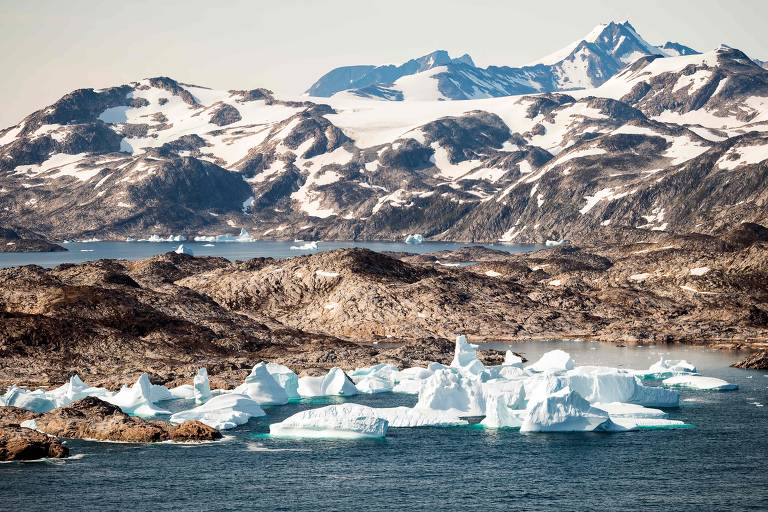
(720, 464)
(87, 251)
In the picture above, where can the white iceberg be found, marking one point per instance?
(604, 384)
(334, 383)
(244, 236)
(414, 239)
(379, 378)
(465, 357)
(306, 246)
(137, 399)
(262, 387)
(512, 359)
(665, 368)
(553, 361)
(36, 401)
(343, 421)
(565, 411)
(504, 404)
(636, 423)
(286, 378)
(185, 392)
(409, 417)
(700, 383)
(409, 386)
(452, 393)
(184, 250)
(624, 410)
(75, 389)
(222, 412)
(201, 386)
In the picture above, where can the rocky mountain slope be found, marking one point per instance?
(111, 320)
(668, 143)
(585, 63)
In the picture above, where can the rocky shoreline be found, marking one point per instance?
(110, 320)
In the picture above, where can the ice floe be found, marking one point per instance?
(343, 421)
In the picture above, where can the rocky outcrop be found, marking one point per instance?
(19, 240)
(19, 443)
(756, 361)
(92, 418)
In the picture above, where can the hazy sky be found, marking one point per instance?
(48, 48)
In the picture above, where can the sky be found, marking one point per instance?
(51, 47)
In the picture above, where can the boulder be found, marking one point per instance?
(19, 443)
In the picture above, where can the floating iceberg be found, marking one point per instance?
(201, 386)
(170, 238)
(409, 417)
(222, 412)
(623, 410)
(512, 359)
(452, 393)
(36, 401)
(664, 368)
(635, 423)
(465, 357)
(504, 404)
(244, 236)
(286, 378)
(334, 383)
(306, 246)
(343, 421)
(75, 389)
(379, 378)
(414, 239)
(184, 250)
(565, 411)
(260, 386)
(604, 384)
(553, 361)
(700, 383)
(137, 399)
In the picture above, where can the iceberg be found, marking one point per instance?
(35, 401)
(504, 404)
(222, 412)
(75, 389)
(334, 383)
(157, 238)
(700, 383)
(244, 236)
(409, 417)
(413, 373)
(306, 246)
(286, 378)
(553, 361)
(201, 386)
(379, 378)
(452, 393)
(635, 423)
(604, 384)
(343, 421)
(414, 239)
(137, 399)
(185, 392)
(374, 384)
(465, 357)
(512, 359)
(566, 411)
(260, 386)
(184, 250)
(664, 368)
(623, 410)
(409, 386)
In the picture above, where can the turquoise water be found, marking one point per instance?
(87, 251)
(718, 465)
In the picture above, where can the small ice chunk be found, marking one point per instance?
(414, 239)
(222, 412)
(342, 421)
(512, 359)
(635, 423)
(699, 382)
(184, 250)
(306, 246)
(553, 361)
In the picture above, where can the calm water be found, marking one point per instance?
(84, 251)
(718, 465)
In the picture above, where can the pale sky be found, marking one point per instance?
(51, 47)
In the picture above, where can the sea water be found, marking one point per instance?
(720, 464)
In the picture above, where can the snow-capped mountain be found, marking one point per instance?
(668, 143)
(585, 63)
